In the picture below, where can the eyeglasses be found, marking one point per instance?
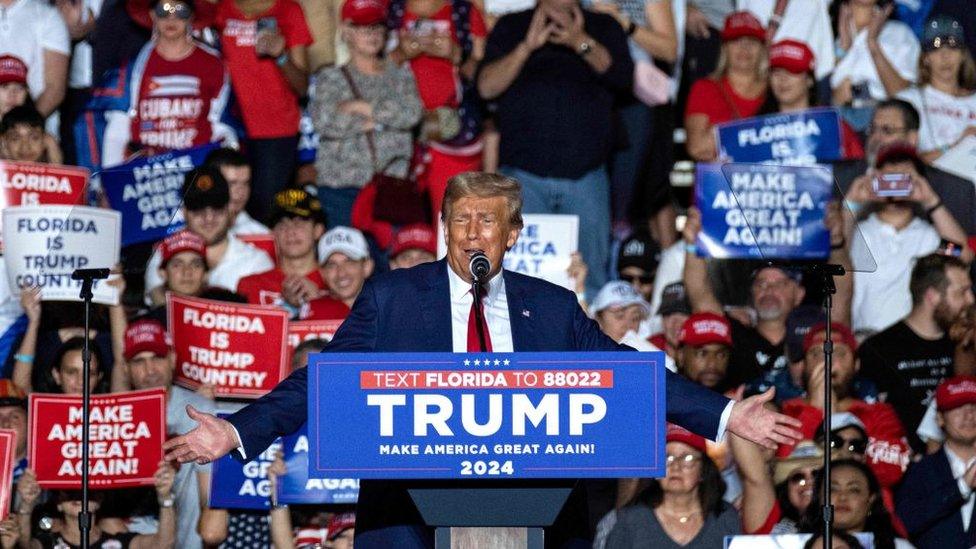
(179, 9)
(800, 478)
(854, 445)
(763, 285)
(686, 461)
(886, 130)
(643, 279)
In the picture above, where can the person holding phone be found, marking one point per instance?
(907, 220)
(264, 44)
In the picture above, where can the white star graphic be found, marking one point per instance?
(477, 362)
(497, 362)
(506, 362)
(487, 361)
(467, 362)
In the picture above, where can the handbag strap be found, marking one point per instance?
(358, 96)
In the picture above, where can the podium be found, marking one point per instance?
(488, 446)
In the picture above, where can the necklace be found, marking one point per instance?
(683, 519)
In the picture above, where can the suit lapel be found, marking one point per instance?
(520, 315)
(435, 308)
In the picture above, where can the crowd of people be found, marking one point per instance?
(336, 126)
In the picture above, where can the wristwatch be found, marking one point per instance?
(166, 502)
(585, 48)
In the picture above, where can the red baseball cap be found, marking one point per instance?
(742, 23)
(704, 328)
(145, 335)
(841, 333)
(12, 69)
(11, 394)
(418, 236)
(183, 241)
(339, 523)
(792, 55)
(363, 12)
(899, 151)
(955, 392)
(680, 434)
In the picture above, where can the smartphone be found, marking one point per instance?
(948, 247)
(893, 185)
(267, 24)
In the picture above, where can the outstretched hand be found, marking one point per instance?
(751, 420)
(211, 439)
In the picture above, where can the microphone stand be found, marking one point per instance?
(479, 314)
(87, 278)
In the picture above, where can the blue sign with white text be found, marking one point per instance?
(148, 192)
(234, 485)
(763, 211)
(297, 488)
(492, 415)
(796, 139)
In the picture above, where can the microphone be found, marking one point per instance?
(479, 266)
(93, 274)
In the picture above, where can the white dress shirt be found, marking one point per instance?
(495, 311)
(958, 468)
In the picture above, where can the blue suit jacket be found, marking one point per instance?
(928, 503)
(409, 310)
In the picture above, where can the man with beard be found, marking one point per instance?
(908, 360)
(936, 500)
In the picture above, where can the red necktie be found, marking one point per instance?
(477, 315)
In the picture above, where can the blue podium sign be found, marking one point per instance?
(798, 139)
(494, 415)
(297, 487)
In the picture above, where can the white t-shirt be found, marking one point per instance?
(670, 269)
(240, 260)
(805, 20)
(881, 298)
(27, 28)
(245, 224)
(943, 117)
(80, 73)
(900, 48)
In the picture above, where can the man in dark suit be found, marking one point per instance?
(893, 121)
(430, 308)
(935, 500)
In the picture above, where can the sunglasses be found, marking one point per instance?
(179, 9)
(643, 279)
(855, 445)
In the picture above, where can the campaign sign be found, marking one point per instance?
(31, 183)
(297, 488)
(126, 444)
(148, 192)
(763, 211)
(45, 244)
(797, 139)
(236, 485)
(8, 447)
(543, 250)
(240, 349)
(501, 415)
(304, 330)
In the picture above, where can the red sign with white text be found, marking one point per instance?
(32, 184)
(8, 447)
(239, 349)
(126, 439)
(304, 330)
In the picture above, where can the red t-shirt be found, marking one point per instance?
(325, 308)
(436, 77)
(268, 104)
(265, 288)
(718, 101)
(176, 99)
(888, 452)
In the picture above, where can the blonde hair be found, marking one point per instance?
(722, 66)
(484, 185)
(966, 76)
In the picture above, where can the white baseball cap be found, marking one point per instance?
(618, 294)
(345, 240)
